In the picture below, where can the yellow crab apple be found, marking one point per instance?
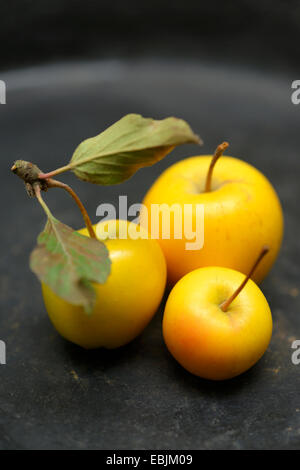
(242, 212)
(217, 323)
(128, 299)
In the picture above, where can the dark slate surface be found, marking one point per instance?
(55, 395)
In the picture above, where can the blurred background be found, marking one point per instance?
(262, 32)
(72, 68)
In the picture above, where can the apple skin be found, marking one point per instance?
(125, 303)
(208, 342)
(241, 214)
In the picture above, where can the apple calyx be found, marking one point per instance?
(224, 305)
(218, 153)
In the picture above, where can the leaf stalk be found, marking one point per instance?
(63, 169)
(37, 191)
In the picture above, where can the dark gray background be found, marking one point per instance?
(228, 72)
(261, 32)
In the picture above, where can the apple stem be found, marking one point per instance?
(58, 184)
(224, 305)
(218, 153)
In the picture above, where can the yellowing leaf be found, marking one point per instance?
(131, 143)
(69, 262)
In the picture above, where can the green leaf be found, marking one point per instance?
(69, 262)
(131, 143)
